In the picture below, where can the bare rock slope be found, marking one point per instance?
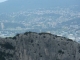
(38, 46)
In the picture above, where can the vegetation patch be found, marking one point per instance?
(7, 46)
(69, 40)
(61, 52)
(3, 55)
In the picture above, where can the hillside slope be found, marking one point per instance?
(38, 46)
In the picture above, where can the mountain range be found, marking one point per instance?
(19, 5)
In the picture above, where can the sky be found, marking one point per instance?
(2, 1)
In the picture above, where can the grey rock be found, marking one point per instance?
(38, 46)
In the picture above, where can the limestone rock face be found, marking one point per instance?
(38, 46)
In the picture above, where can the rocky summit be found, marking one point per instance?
(38, 46)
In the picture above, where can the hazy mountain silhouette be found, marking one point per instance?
(18, 5)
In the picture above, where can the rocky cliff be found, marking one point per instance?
(38, 46)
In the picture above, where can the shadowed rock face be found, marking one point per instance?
(38, 46)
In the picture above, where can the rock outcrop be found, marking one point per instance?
(38, 46)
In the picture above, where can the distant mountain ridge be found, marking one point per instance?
(19, 5)
(38, 46)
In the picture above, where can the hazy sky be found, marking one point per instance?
(2, 1)
(17, 5)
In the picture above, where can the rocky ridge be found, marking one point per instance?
(38, 46)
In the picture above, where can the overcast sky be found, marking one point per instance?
(2, 1)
